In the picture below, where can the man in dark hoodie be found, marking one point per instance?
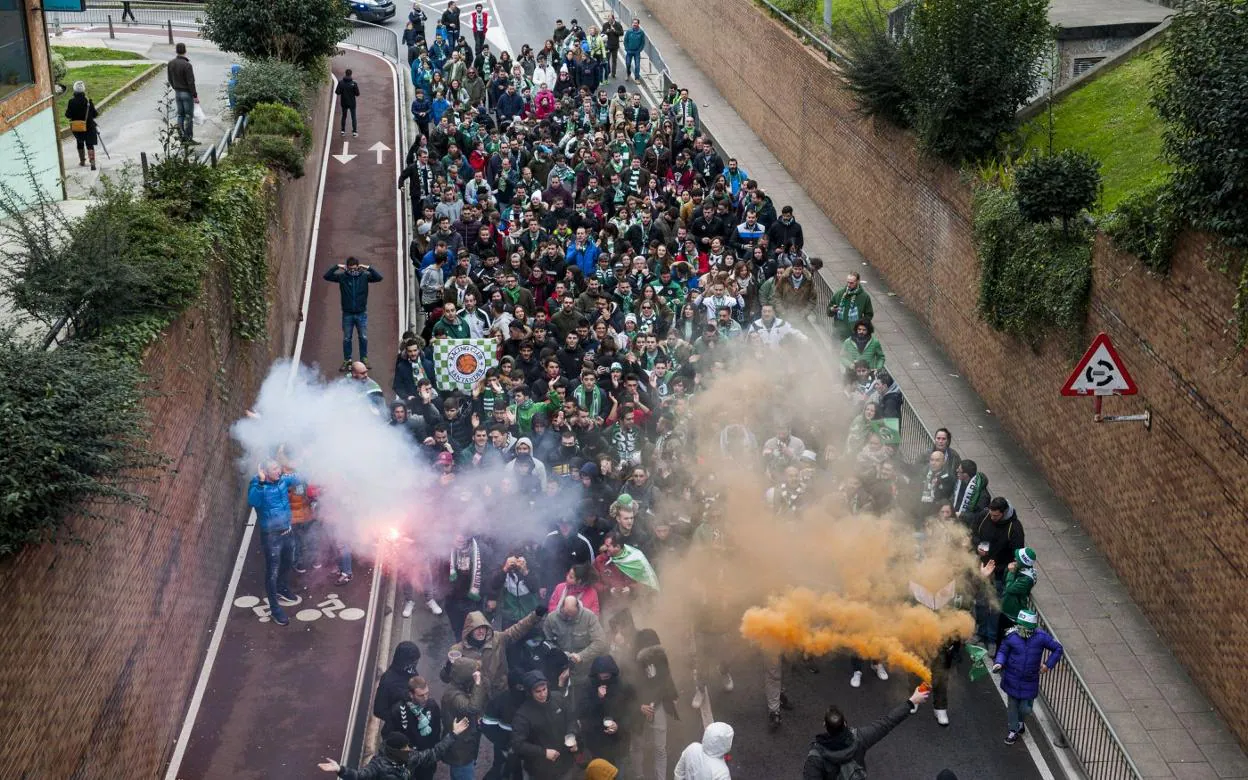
(393, 686)
(397, 760)
(609, 713)
(843, 747)
(465, 697)
(656, 698)
(544, 733)
(348, 91)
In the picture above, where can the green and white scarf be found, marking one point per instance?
(472, 553)
(633, 563)
(971, 496)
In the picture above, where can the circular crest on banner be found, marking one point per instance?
(467, 363)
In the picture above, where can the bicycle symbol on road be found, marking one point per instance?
(332, 607)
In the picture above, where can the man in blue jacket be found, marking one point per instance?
(634, 42)
(583, 253)
(353, 280)
(269, 495)
(1022, 657)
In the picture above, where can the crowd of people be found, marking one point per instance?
(621, 266)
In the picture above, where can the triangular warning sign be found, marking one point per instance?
(1100, 372)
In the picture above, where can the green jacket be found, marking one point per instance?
(848, 307)
(1018, 585)
(524, 414)
(873, 353)
(457, 331)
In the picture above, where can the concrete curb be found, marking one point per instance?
(126, 89)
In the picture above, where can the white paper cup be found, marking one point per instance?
(569, 741)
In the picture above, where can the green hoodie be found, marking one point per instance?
(1017, 593)
(850, 306)
(873, 353)
(524, 414)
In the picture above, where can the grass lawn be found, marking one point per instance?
(101, 81)
(851, 12)
(78, 53)
(1110, 118)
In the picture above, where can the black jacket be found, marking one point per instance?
(385, 766)
(409, 717)
(1003, 538)
(537, 728)
(828, 752)
(353, 289)
(392, 687)
(348, 90)
(620, 705)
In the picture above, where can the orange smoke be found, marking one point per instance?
(901, 636)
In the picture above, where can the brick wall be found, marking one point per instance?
(1168, 507)
(102, 641)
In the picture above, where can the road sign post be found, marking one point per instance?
(1100, 372)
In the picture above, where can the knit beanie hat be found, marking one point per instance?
(1026, 620)
(1025, 556)
(600, 769)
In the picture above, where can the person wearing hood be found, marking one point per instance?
(465, 697)
(608, 712)
(524, 446)
(705, 760)
(842, 747)
(656, 697)
(393, 685)
(397, 760)
(1022, 657)
(544, 732)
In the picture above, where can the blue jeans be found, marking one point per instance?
(1016, 710)
(344, 557)
(352, 322)
(279, 551)
(185, 103)
(635, 59)
(465, 772)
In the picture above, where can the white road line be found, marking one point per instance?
(1037, 758)
(214, 645)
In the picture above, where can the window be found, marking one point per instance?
(16, 68)
(1085, 64)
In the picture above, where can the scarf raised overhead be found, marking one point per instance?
(474, 553)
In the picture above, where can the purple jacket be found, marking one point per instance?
(1020, 661)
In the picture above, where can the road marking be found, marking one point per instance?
(344, 158)
(214, 645)
(379, 147)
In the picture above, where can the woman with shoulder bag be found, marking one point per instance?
(81, 114)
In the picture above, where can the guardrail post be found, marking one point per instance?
(143, 165)
(169, 27)
(111, 32)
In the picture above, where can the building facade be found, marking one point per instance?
(30, 164)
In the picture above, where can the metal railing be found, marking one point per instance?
(1084, 727)
(626, 17)
(213, 154)
(181, 15)
(375, 37)
(819, 40)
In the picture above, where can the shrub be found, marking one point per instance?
(237, 224)
(125, 258)
(968, 66)
(59, 68)
(270, 81)
(1034, 277)
(180, 184)
(1057, 186)
(294, 31)
(1146, 224)
(280, 120)
(274, 151)
(73, 430)
(874, 69)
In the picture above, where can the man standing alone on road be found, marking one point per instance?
(613, 31)
(634, 42)
(353, 280)
(181, 77)
(450, 23)
(348, 91)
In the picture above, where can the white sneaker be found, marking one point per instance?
(880, 671)
(728, 684)
(855, 680)
(942, 717)
(407, 608)
(697, 699)
(432, 604)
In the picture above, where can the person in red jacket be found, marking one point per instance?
(480, 20)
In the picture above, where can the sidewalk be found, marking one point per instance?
(1166, 724)
(132, 125)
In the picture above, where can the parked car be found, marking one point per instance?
(370, 10)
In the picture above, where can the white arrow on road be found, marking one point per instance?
(379, 147)
(344, 158)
